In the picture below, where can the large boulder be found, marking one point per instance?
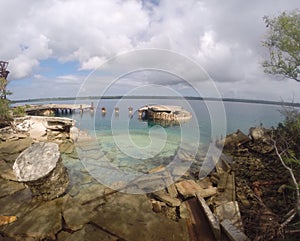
(40, 167)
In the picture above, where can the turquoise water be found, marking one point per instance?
(136, 145)
(125, 147)
(238, 116)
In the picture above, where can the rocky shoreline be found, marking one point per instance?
(246, 188)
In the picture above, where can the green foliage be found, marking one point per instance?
(283, 43)
(5, 115)
(290, 131)
(19, 111)
(3, 91)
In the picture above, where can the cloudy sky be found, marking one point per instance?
(53, 45)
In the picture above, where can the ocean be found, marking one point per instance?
(123, 146)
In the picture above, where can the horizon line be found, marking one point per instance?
(241, 100)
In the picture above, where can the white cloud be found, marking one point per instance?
(223, 38)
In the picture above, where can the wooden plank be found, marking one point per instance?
(223, 181)
(212, 220)
(231, 212)
(232, 232)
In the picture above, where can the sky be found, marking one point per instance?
(54, 46)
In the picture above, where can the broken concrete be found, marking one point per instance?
(40, 167)
(189, 188)
(166, 198)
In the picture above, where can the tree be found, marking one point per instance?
(283, 43)
(5, 115)
(3, 91)
(286, 144)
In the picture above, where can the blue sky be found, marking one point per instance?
(53, 46)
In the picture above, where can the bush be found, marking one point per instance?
(290, 129)
(19, 111)
(5, 115)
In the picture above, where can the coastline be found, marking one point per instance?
(87, 202)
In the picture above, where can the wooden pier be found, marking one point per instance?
(51, 109)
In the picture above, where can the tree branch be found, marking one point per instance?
(292, 176)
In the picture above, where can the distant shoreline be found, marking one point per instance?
(281, 103)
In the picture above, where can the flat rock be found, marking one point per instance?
(9, 187)
(87, 233)
(66, 147)
(75, 214)
(40, 223)
(94, 233)
(17, 204)
(130, 217)
(92, 192)
(10, 150)
(6, 171)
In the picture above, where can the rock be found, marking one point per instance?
(59, 124)
(6, 171)
(189, 188)
(131, 218)
(205, 183)
(164, 197)
(74, 133)
(41, 223)
(183, 211)
(7, 219)
(17, 204)
(75, 214)
(259, 133)
(95, 191)
(156, 206)
(66, 147)
(9, 187)
(172, 191)
(40, 167)
(10, 150)
(94, 233)
(76, 236)
(87, 233)
(38, 131)
(24, 126)
(160, 168)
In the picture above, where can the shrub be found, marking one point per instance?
(19, 111)
(5, 114)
